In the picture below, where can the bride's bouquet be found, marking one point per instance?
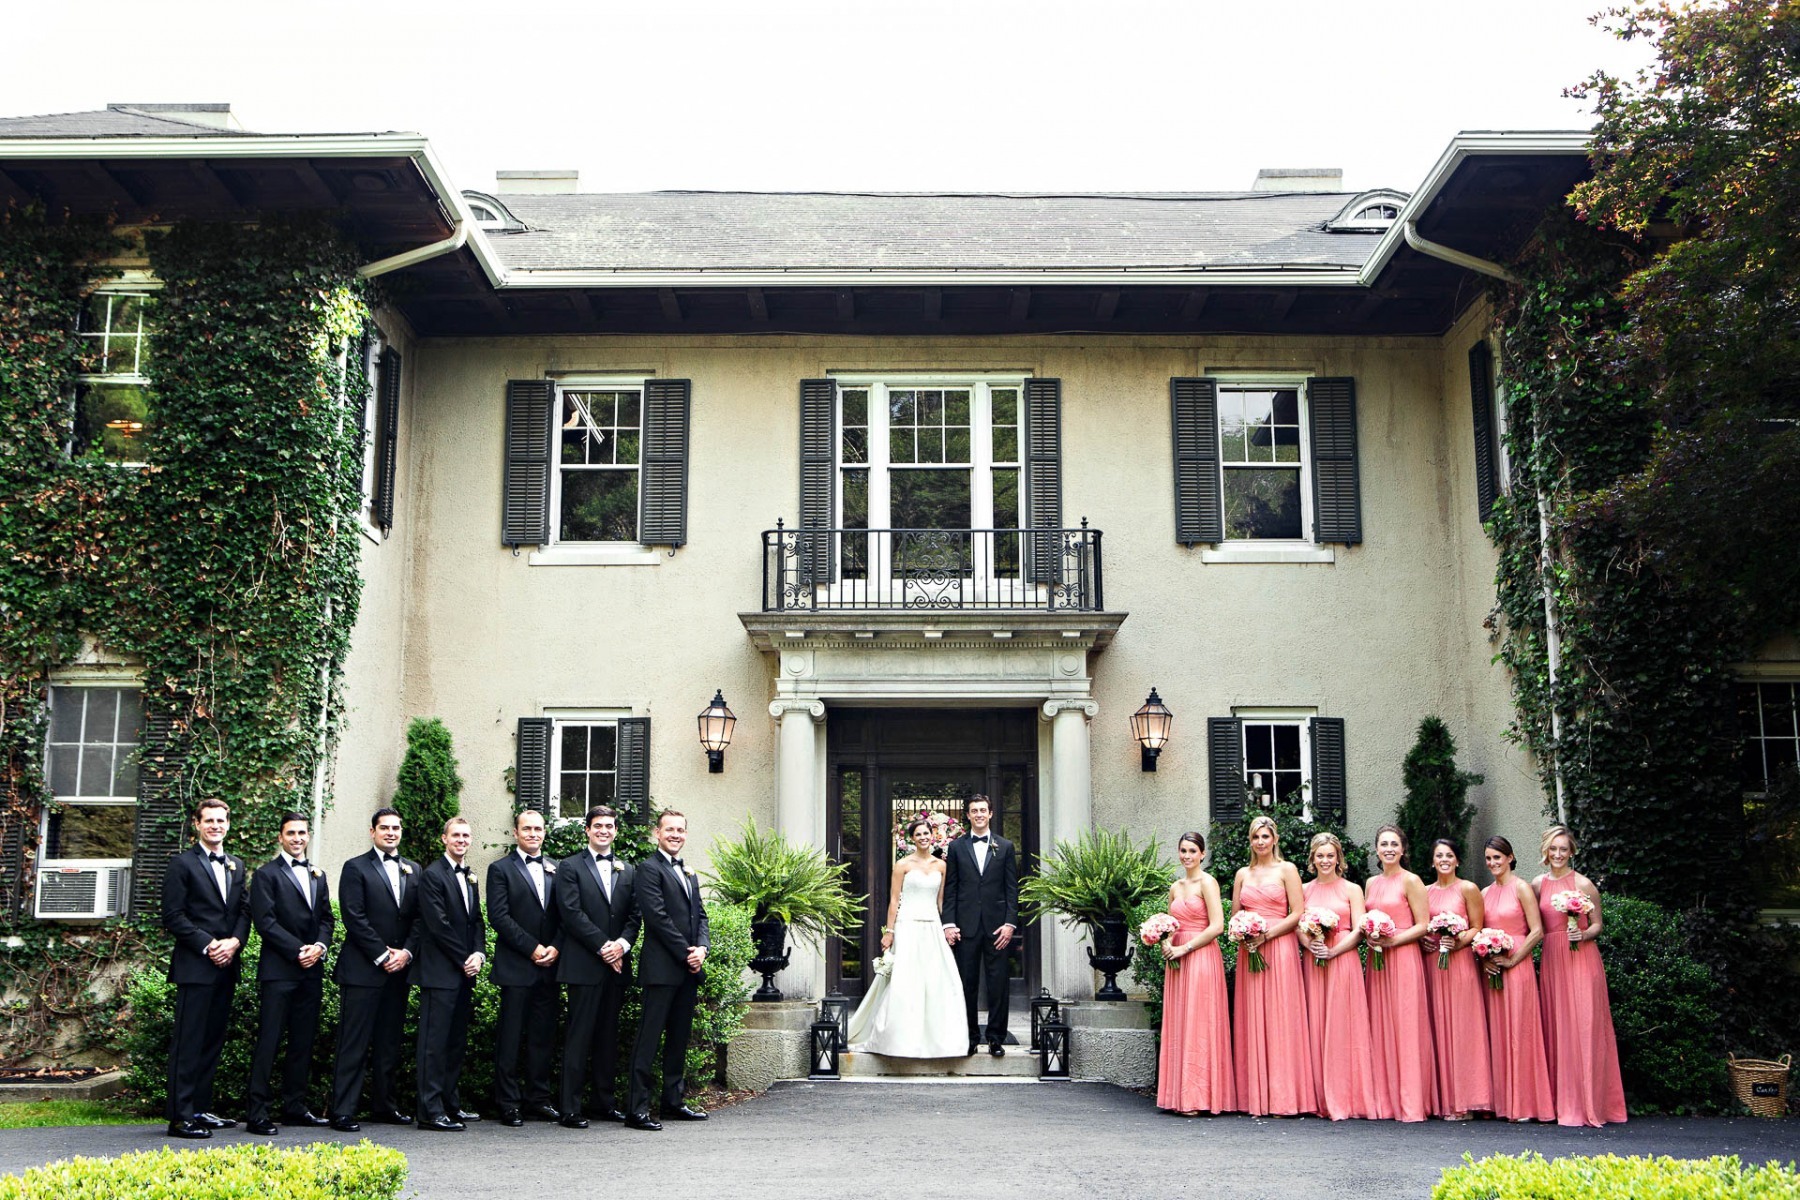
(1244, 926)
(1157, 930)
(1448, 927)
(1492, 943)
(1572, 904)
(1315, 923)
(884, 966)
(1377, 924)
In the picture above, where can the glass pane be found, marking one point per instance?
(956, 408)
(625, 447)
(931, 499)
(856, 445)
(1259, 748)
(1235, 446)
(92, 831)
(855, 550)
(1006, 497)
(931, 408)
(102, 715)
(856, 406)
(1260, 437)
(599, 506)
(956, 446)
(96, 771)
(574, 748)
(65, 713)
(931, 446)
(1287, 747)
(1262, 504)
(1287, 443)
(1286, 407)
(603, 747)
(628, 404)
(113, 422)
(900, 408)
(1006, 445)
(61, 766)
(575, 443)
(850, 853)
(1006, 407)
(900, 445)
(125, 773)
(571, 795)
(602, 789)
(131, 715)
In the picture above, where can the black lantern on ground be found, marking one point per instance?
(716, 723)
(1043, 1010)
(1053, 1054)
(835, 1008)
(1150, 726)
(824, 1045)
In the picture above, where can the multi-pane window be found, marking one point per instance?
(112, 418)
(585, 766)
(600, 432)
(1275, 755)
(91, 764)
(1262, 450)
(1770, 713)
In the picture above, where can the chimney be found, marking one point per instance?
(1299, 179)
(535, 183)
(219, 116)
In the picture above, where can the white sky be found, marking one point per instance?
(888, 95)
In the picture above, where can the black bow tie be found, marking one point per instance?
(461, 870)
(603, 858)
(302, 863)
(390, 858)
(676, 863)
(218, 858)
(533, 858)
(980, 837)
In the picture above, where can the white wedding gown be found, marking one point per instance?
(917, 1011)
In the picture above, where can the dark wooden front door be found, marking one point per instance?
(885, 766)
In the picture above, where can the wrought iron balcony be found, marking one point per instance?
(820, 570)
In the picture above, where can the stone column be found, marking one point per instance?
(1069, 814)
(800, 816)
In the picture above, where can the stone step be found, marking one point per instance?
(1018, 1064)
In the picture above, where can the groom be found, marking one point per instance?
(981, 911)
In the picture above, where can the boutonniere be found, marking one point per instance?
(230, 864)
(690, 872)
(549, 868)
(405, 870)
(317, 873)
(617, 869)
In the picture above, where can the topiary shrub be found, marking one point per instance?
(1665, 1010)
(322, 1171)
(1437, 798)
(429, 792)
(1608, 1177)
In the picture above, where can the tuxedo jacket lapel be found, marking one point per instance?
(524, 874)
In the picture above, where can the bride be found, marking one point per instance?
(914, 1010)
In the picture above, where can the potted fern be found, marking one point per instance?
(787, 888)
(1094, 882)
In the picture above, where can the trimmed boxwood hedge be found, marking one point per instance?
(1608, 1177)
(319, 1172)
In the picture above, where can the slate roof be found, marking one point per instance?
(115, 120)
(665, 231)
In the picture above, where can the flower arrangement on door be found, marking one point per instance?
(944, 830)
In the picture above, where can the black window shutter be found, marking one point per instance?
(631, 786)
(1330, 795)
(531, 766)
(525, 520)
(1043, 477)
(1199, 492)
(662, 486)
(387, 437)
(818, 478)
(14, 886)
(1225, 754)
(1337, 497)
(161, 827)
(1481, 399)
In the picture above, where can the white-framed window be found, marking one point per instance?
(371, 432)
(1265, 457)
(1502, 457)
(594, 488)
(584, 764)
(1769, 712)
(90, 763)
(112, 420)
(1277, 753)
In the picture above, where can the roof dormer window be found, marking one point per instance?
(491, 216)
(1369, 212)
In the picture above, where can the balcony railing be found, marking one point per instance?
(831, 570)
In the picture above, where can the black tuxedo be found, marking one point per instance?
(288, 994)
(449, 931)
(372, 1001)
(529, 1003)
(674, 917)
(588, 920)
(978, 902)
(195, 914)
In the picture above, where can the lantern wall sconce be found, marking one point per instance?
(716, 723)
(1150, 726)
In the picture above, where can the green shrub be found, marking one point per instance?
(1664, 1007)
(1100, 875)
(319, 1172)
(429, 790)
(1608, 1177)
(775, 878)
(724, 999)
(1437, 799)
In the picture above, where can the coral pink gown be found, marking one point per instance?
(1194, 1070)
(1337, 1012)
(1578, 1027)
(1274, 1068)
(1515, 1029)
(1400, 1016)
(1465, 1077)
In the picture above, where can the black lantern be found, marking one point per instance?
(835, 1007)
(1053, 1054)
(1043, 1010)
(825, 1045)
(1150, 726)
(716, 723)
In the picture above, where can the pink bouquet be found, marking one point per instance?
(944, 830)
(1377, 924)
(1244, 926)
(1492, 943)
(1448, 927)
(1315, 923)
(1156, 930)
(1572, 904)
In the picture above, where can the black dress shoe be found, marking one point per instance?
(686, 1112)
(345, 1125)
(642, 1121)
(573, 1121)
(188, 1129)
(997, 1050)
(442, 1125)
(544, 1112)
(974, 1046)
(609, 1114)
(511, 1118)
(462, 1115)
(391, 1116)
(207, 1120)
(262, 1126)
(305, 1117)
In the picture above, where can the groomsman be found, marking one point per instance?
(599, 920)
(981, 914)
(378, 897)
(451, 939)
(676, 938)
(290, 905)
(206, 909)
(523, 911)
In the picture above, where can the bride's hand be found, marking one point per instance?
(887, 941)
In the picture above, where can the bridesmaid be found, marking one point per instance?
(1465, 1079)
(1578, 1027)
(1274, 1072)
(1515, 1030)
(1194, 1072)
(1399, 1013)
(1337, 1009)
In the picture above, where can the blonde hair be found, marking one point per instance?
(1324, 839)
(1550, 835)
(1264, 819)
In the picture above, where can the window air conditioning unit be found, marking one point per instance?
(70, 891)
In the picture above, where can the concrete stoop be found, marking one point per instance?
(1018, 1064)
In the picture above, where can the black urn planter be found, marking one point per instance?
(771, 955)
(1110, 954)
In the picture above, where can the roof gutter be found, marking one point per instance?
(837, 277)
(1434, 250)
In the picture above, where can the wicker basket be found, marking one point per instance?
(1761, 1086)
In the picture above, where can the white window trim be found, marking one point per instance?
(591, 554)
(1502, 460)
(1272, 550)
(1303, 717)
(371, 459)
(574, 716)
(95, 675)
(134, 281)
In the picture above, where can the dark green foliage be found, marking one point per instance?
(1665, 1010)
(79, 1016)
(1437, 798)
(1228, 844)
(1102, 875)
(430, 791)
(1755, 969)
